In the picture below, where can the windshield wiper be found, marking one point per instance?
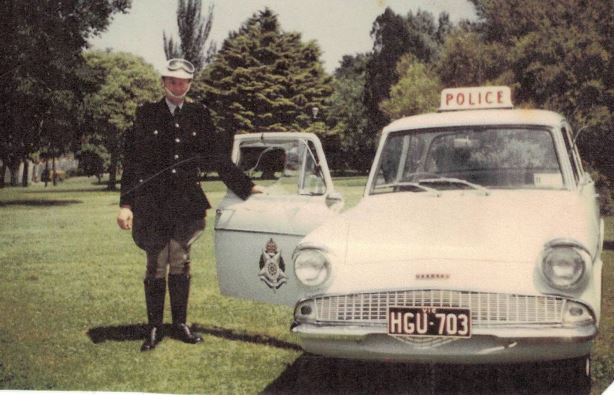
(448, 180)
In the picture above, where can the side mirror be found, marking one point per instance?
(586, 179)
(334, 198)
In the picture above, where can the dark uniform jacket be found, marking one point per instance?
(162, 158)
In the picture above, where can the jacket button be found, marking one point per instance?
(155, 132)
(177, 140)
(141, 180)
(176, 125)
(174, 171)
(176, 156)
(193, 133)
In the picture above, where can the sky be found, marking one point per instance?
(340, 27)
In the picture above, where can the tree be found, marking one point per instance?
(390, 42)
(444, 27)
(416, 92)
(560, 58)
(393, 36)
(264, 79)
(40, 54)
(348, 115)
(93, 160)
(124, 81)
(466, 60)
(194, 31)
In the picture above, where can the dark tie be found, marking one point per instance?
(176, 112)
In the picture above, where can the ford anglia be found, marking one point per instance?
(477, 239)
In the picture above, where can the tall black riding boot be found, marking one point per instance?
(155, 291)
(179, 289)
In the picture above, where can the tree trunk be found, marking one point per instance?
(45, 176)
(2, 174)
(54, 178)
(112, 172)
(25, 173)
(14, 169)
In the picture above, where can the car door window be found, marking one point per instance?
(311, 178)
(284, 167)
(570, 153)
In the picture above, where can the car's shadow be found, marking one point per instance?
(311, 374)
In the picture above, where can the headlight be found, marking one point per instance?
(311, 267)
(564, 264)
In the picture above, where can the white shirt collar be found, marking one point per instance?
(171, 106)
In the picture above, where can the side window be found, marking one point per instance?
(571, 154)
(262, 162)
(575, 151)
(284, 167)
(312, 179)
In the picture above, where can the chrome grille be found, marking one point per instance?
(487, 309)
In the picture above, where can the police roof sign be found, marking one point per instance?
(476, 98)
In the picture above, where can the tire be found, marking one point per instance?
(579, 373)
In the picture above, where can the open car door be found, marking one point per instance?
(255, 239)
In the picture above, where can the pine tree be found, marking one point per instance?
(264, 79)
(194, 31)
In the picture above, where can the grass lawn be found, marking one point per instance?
(72, 313)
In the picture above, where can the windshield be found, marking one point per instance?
(462, 158)
(284, 167)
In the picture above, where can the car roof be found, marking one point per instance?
(476, 118)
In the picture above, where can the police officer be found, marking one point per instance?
(161, 198)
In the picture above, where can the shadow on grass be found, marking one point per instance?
(69, 190)
(245, 337)
(38, 202)
(117, 333)
(139, 332)
(311, 374)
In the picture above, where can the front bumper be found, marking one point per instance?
(487, 345)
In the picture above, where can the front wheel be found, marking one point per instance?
(577, 372)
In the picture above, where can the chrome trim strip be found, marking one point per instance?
(541, 334)
(219, 229)
(566, 242)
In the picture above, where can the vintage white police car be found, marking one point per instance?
(477, 240)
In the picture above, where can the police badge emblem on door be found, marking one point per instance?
(272, 266)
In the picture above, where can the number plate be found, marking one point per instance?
(429, 321)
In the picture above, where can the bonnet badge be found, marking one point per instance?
(432, 276)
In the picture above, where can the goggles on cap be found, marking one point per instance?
(177, 64)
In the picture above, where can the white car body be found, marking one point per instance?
(477, 250)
